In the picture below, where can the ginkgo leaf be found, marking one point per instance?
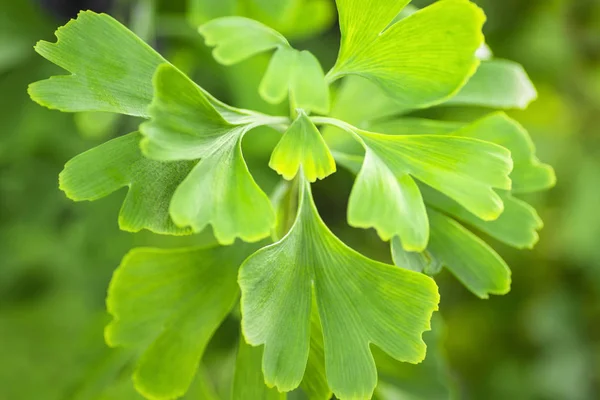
(302, 146)
(183, 124)
(468, 257)
(314, 384)
(111, 68)
(299, 75)
(293, 72)
(529, 174)
(420, 60)
(237, 38)
(361, 22)
(467, 170)
(392, 204)
(166, 305)
(308, 88)
(220, 190)
(248, 381)
(497, 84)
(518, 225)
(275, 85)
(360, 302)
(118, 163)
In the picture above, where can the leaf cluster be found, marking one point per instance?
(311, 307)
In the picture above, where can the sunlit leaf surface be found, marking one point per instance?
(302, 146)
(359, 301)
(420, 60)
(166, 304)
(119, 163)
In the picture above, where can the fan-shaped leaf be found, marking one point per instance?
(220, 190)
(465, 169)
(166, 304)
(302, 146)
(468, 257)
(497, 84)
(237, 38)
(111, 68)
(293, 72)
(529, 174)
(392, 204)
(119, 163)
(518, 225)
(420, 60)
(360, 301)
(308, 89)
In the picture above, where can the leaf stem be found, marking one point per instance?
(346, 127)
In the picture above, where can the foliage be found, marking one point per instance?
(191, 173)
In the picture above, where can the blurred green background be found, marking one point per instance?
(541, 341)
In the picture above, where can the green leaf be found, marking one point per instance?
(302, 146)
(220, 190)
(308, 88)
(420, 60)
(293, 72)
(361, 22)
(118, 163)
(360, 301)
(529, 174)
(390, 203)
(467, 170)
(111, 68)
(518, 225)
(183, 124)
(248, 382)
(236, 39)
(468, 257)
(166, 304)
(275, 85)
(497, 84)
(299, 74)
